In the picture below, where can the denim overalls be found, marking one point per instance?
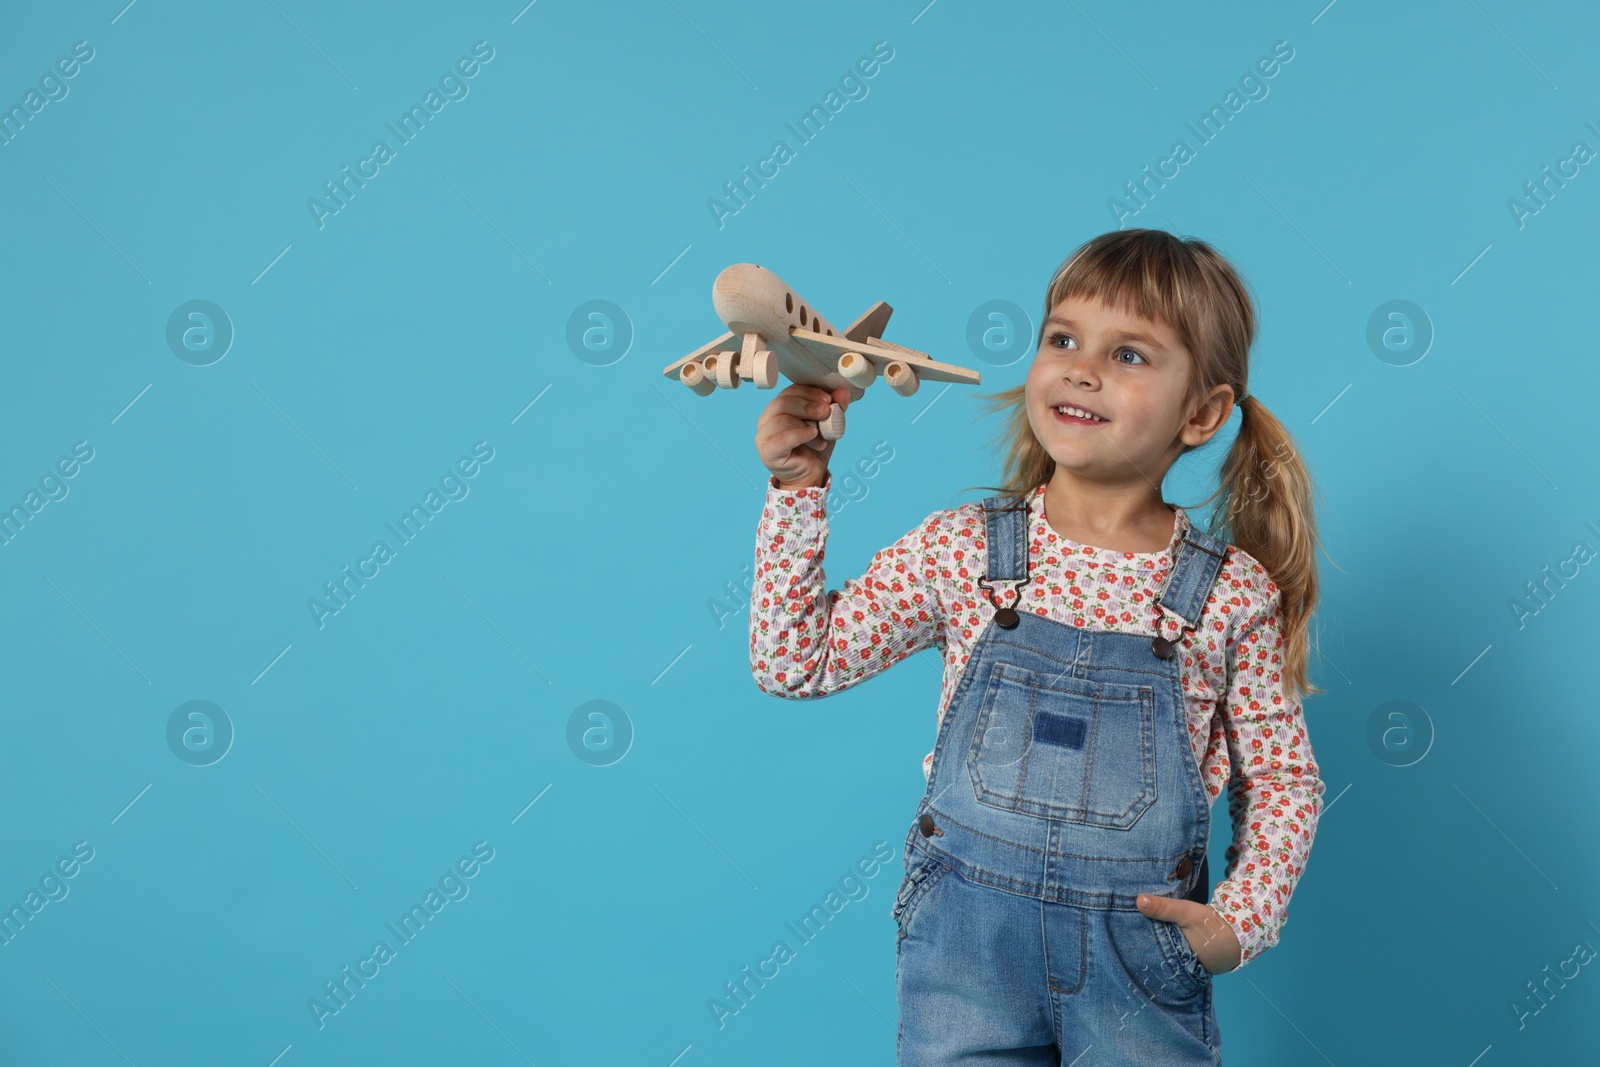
(1063, 784)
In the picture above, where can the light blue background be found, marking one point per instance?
(428, 314)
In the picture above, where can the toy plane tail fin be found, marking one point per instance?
(872, 323)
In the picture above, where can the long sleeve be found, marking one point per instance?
(807, 641)
(1274, 793)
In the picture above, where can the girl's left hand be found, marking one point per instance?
(1208, 933)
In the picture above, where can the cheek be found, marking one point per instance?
(1031, 401)
(1043, 380)
(1036, 378)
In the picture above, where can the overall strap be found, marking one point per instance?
(1007, 539)
(1200, 558)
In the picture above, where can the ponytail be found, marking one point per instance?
(1265, 508)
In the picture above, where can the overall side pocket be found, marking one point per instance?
(1180, 953)
(924, 874)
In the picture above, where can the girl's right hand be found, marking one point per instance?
(787, 437)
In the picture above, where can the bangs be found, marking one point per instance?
(1138, 275)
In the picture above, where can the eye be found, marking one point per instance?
(1055, 339)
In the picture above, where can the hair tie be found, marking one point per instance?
(1243, 398)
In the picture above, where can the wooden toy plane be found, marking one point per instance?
(771, 331)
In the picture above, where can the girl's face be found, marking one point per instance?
(1128, 372)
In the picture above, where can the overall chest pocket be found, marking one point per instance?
(1060, 747)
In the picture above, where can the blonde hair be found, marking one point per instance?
(1265, 497)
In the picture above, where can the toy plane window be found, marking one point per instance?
(788, 303)
(802, 314)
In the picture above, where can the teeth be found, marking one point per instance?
(1068, 409)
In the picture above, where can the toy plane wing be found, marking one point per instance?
(882, 353)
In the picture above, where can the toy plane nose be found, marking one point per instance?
(736, 286)
(733, 276)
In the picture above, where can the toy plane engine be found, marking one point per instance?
(772, 331)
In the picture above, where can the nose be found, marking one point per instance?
(1075, 369)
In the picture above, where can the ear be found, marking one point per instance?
(1209, 417)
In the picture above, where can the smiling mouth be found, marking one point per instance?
(1071, 413)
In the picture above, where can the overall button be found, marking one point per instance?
(1183, 869)
(925, 824)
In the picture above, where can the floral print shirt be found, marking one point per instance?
(1245, 721)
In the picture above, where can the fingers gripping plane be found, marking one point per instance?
(771, 331)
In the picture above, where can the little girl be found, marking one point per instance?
(1109, 667)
